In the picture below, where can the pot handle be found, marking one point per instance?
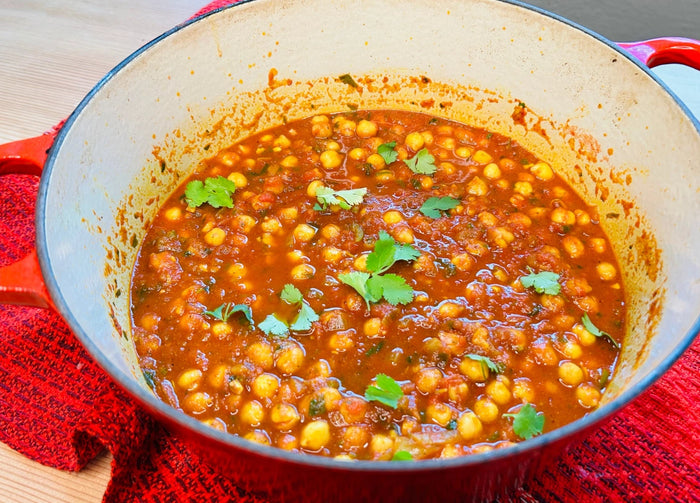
(22, 283)
(662, 51)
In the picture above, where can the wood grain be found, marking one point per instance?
(51, 54)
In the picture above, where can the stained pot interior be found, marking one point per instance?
(603, 123)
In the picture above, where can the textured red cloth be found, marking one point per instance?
(59, 408)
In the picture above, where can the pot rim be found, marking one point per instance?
(154, 405)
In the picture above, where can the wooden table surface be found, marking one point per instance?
(51, 54)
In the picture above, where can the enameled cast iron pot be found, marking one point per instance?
(603, 121)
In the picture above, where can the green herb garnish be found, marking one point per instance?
(272, 325)
(434, 205)
(527, 422)
(344, 198)
(377, 285)
(346, 78)
(225, 311)
(214, 191)
(386, 391)
(422, 163)
(402, 456)
(588, 325)
(543, 282)
(386, 150)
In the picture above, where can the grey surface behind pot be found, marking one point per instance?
(627, 20)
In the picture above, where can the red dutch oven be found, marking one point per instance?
(606, 124)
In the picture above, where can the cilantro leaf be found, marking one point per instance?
(386, 150)
(422, 163)
(387, 252)
(291, 294)
(215, 191)
(402, 456)
(272, 325)
(358, 280)
(486, 364)
(543, 282)
(527, 422)
(372, 287)
(346, 78)
(225, 311)
(588, 325)
(392, 287)
(386, 391)
(305, 318)
(344, 198)
(434, 205)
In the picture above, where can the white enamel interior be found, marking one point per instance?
(170, 93)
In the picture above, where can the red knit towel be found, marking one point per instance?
(59, 408)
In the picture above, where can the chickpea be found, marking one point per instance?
(584, 336)
(173, 214)
(598, 245)
(321, 127)
(358, 154)
(523, 390)
(239, 179)
(572, 350)
(353, 409)
(428, 379)
(333, 255)
(315, 435)
(450, 309)
(477, 187)
(570, 374)
(360, 263)
(588, 395)
(215, 236)
(463, 261)
(284, 416)
(486, 410)
(474, 369)
(216, 423)
(287, 442)
(196, 402)
(313, 187)
(542, 171)
(366, 129)
(265, 385)
(562, 216)
(355, 437)
(221, 330)
(492, 171)
(261, 354)
(582, 218)
(392, 217)
(573, 246)
(414, 141)
(290, 359)
(524, 189)
(372, 326)
(500, 236)
(463, 152)
(252, 413)
(498, 392)
(270, 224)
(243, 223)
(469, 426)
(606, 271)
(377, 161)
(381, 446)
(341, 342)
(237, 271)
(189, 379)
(257, 436)
(331, 159)
(304, 233)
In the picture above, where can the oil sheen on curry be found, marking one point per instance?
(378, 285)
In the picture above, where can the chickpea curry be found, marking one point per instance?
(378, 285)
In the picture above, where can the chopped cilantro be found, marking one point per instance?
(304, 319)
(386, 391)
(272, 325)
(402, 456)
(214, 191)
(317, 406)
(375, 349)
(527, 422)
(422, 163)
(291, 294)
(150, 378)
(543, 282)
(386, 150)
(434, 205)
(346, 78)
(225, 311)
(588, 325)
(372, 287)
(344, 198)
